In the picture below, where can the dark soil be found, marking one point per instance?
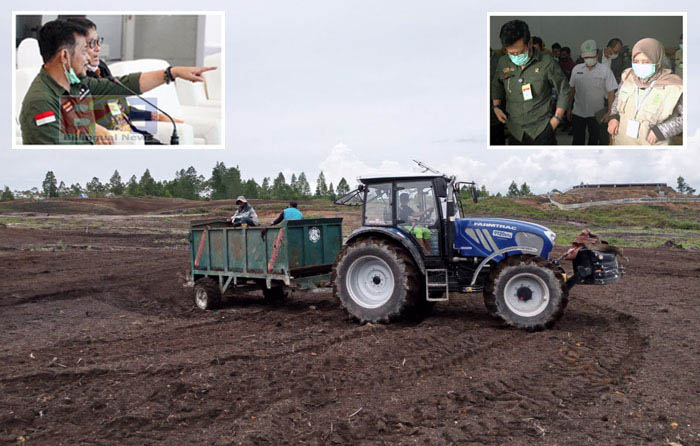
(103, 346)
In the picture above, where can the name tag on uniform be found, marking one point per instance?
(527, 92)
(632, 128)
(114, 109)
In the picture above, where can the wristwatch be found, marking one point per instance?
(557, 118)
(169, 75)
(496, 106)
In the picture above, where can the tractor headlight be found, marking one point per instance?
(550, 235)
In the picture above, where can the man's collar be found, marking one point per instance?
(51, 82)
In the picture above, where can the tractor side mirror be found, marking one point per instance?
(475, 194)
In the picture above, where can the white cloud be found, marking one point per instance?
(543, 170)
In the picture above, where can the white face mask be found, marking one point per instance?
(590, 61)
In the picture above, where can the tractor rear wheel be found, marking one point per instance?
(526, 292)
(376, 281)
(206, 294)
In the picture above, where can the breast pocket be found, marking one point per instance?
(599, 82)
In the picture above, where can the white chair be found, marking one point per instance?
(205, 121)
(194, 94)
(28, 54)
(213, 78)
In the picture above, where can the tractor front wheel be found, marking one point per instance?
(376, 281)
(526, 292)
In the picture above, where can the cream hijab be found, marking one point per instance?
(654, 51)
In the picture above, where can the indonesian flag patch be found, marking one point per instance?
(46, 117)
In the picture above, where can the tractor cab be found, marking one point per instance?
(415, 207)
(412, 206)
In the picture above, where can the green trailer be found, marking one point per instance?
(297, 254)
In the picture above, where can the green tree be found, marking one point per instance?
(265, 189)
(280, 188)
(513, 190)
(251, 189)
(95, 188)
(116, 187)
(187, 184)
(331, 192)
(7, 195)
(321, 187)
(148, 185)
(225, 182)
(483, 192)
(49, 185)
(304, 187)
(132, 187)
(683, 187)
(63, 190)
(343, 188)
(294, 186)
(525, 190)
(76, 190)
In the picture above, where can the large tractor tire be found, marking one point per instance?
(206, 294)
(377, 281)
(526, 292)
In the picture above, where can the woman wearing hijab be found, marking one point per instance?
(648, 107)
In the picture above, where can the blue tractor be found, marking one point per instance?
(415, 247)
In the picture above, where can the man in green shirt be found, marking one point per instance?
(525, 77)
(58, 107)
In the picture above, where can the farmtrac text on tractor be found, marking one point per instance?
(415, 247)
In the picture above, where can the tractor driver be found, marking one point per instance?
(406, 213)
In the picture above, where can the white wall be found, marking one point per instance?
(109, 27)
(168, 37)
(573, 31)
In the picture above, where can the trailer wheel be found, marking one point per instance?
(376, 281)
(526, 292)
(206, 294)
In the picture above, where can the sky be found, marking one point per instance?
(355, 88)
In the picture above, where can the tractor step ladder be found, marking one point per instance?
(443, 284)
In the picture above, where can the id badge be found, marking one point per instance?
(632, 128)
(114, 109)
(527, 92)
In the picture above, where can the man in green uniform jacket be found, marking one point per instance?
(525, 78)
(57, 108)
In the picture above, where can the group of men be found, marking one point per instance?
(535, 90)
(75, 100)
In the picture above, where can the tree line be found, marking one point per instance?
(224, 183)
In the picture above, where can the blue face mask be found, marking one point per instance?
(644, 70)
(520, 59)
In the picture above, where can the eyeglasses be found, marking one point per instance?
(96, 42)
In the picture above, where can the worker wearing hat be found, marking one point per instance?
(245, 214)
(592, 83)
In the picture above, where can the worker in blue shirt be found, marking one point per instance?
(291, 213)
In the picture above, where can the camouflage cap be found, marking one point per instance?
(589, 48)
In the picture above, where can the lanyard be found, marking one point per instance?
(639, 103)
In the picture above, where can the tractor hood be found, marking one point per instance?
(482, 237)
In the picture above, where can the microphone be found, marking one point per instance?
(174, 139)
